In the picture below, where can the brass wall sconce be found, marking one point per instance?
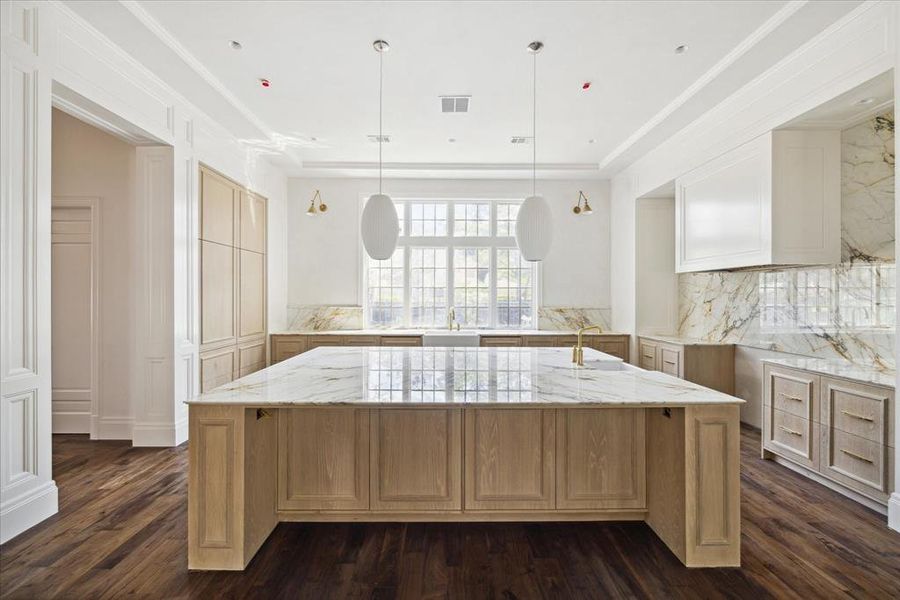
(313, 210)
(578, 209)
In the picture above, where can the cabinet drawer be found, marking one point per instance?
(286, 347)
(362, 340)
(857, 409)
(613, 348)
(324, 340)
(401, 340)
(791, 436)
(647, 355)
(792, 392)
(856, 462)
(670, 361)
(502, 340)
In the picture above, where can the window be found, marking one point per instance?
(453, 253)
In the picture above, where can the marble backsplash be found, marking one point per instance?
(325, 318)
(838, 311)
(844, 311)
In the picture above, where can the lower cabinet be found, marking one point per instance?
(323, 459)
(410, 460)
(838, 428)
(510, 458)
(708, 364)
(416, 459)
(601, 458)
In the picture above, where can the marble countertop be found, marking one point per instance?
(388, 332)
(684, 341)
(458, 376)
(838, 368)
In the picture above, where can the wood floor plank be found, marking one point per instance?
(121, 532)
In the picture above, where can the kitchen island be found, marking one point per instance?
(462, 434)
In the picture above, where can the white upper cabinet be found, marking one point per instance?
(773, 201)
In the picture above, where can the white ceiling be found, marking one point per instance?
(324, 74)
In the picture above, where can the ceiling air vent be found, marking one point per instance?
(455, 104)
(379, 138)
(519, 139)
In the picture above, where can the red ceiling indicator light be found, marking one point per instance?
(265, 82)
(586, 86)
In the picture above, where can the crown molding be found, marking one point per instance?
(776, 20)
(416, 166)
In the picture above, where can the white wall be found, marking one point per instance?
(656, 284)
(88, 162)
(45, 50)
(324, 252)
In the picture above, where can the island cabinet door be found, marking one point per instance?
(323, 458)
(509, 459)
(416, 459)
(601, 458)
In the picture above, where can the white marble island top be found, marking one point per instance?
(377, 376)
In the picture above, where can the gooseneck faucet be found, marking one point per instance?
(451, 319)
(578, 350)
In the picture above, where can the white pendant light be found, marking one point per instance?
(379, 226)
(534, 223)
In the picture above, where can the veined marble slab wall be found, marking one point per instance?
(845, 311)
(840, 311)
(325, 318)
(867, 190)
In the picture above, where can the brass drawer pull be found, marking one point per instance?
(669, 362)
(783, 395)
(790, 431)
(857, 456)
(857, 416)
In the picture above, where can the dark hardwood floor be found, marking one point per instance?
(121, 531)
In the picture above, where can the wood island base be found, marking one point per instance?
(676, 468)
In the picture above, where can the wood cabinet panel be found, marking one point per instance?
(614, 347)
(401, 340)
(286, 346)
(314, 341)
(253, 222)
(793, 437)
(323, 461)
(509, 459)
(252, 313)
(217, 367)
(670, 361)
(416, 459)
(858, 409)
(217, 302)
(600, 458)
(856, 462)
(252, 357)
(539, 341)
(501, 340)
(217, 208)
(362, 340)
(791, 391)
(647, 355)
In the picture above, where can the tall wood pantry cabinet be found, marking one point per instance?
(233, 330)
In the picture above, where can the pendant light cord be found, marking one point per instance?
(380, 111)
(534, 129)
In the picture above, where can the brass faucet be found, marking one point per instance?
(451, 319)
(578, 350)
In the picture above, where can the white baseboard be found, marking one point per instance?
(159, 434)
(25, 511)
(114, 428)
(70, 422)
(894, 511)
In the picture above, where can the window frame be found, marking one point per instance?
(450, 242)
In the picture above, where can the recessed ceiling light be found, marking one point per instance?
(591, 141)
(865, 101)
(235, 45)
(451, 140)
(314, 139)
(681, 49)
